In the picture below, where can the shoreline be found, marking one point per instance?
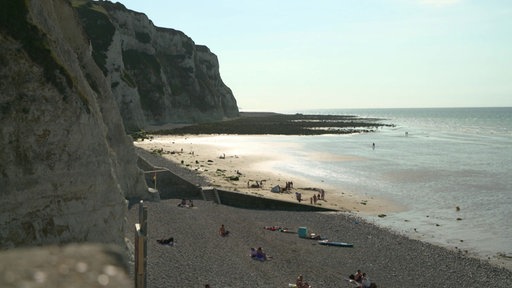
(220, 159)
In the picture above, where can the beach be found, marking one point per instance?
(234, 163)
(201, 256)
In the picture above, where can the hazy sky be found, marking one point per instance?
(292, 54)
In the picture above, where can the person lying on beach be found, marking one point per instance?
(279, 228)
(272, 228)
(168, 241)
(222, 231)
(275, 228)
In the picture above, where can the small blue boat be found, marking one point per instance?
(333, 243)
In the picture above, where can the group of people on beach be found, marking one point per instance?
(184, 203)
(314, 199)
(258, 254)
(359, 279)
(317, 198)
(362, 280)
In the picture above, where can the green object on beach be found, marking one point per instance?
(303, 232)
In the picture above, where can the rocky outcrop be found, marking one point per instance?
(157, 75)
(66, 164)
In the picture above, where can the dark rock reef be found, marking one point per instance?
(282, 124)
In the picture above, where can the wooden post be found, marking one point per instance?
(141, 248)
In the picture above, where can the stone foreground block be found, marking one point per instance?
(75, 265)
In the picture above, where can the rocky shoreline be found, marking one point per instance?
(252, 123)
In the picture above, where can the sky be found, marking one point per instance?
(297, 54)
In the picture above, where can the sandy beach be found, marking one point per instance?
(228, 162)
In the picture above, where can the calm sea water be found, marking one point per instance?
(431, 161)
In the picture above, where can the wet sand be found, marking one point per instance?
(229, 163)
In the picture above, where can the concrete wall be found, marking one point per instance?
(241, 200)
(169, 185)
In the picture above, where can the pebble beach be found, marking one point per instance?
(201, 256)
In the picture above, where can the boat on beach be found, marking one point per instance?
(335, 243)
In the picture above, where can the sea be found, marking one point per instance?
(450, 168)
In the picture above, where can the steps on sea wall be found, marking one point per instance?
(211, 194)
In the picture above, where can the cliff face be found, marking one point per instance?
(157, 75)
(66, 164)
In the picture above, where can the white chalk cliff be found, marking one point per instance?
(157, 75)
(66, 164)
(75, 76)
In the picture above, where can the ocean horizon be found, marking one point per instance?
(450, 168)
